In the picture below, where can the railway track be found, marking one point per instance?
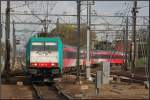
(46, 92)
(124, 77)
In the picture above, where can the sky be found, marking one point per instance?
(115, 6)
(63, 7)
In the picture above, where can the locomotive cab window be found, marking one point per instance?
(44, 46)
(51, 46)
(37, 46)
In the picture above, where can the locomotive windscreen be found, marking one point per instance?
(44, 46)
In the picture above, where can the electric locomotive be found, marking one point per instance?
(44, 58)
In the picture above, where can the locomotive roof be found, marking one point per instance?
(48, 39)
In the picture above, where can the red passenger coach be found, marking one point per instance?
(107, 56)
(69, 57)
(96, 57)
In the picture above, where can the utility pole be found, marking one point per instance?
(14, 45)
(45, 25)
(107, 36)
(126, 45)
(124, 49)
(57, 26)
(7, 30)
(134, 11)
(106, 42)
(88, 69)
(148, 56)
(78, 42)
(0, 47)
(46, 19)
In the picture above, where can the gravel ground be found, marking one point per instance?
(15, 92)
(114, 90)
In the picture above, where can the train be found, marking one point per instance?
(48, 58)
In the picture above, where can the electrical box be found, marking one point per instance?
(98, 79)
(105, 72)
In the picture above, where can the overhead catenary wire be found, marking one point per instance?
(17, 6)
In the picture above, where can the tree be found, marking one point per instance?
(68, 34)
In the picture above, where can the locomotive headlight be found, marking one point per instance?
(35, 64)
(53, 64)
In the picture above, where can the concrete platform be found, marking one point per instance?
(15, 92)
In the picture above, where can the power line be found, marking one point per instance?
(39, 23)
(82, 0)
(69, 15)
